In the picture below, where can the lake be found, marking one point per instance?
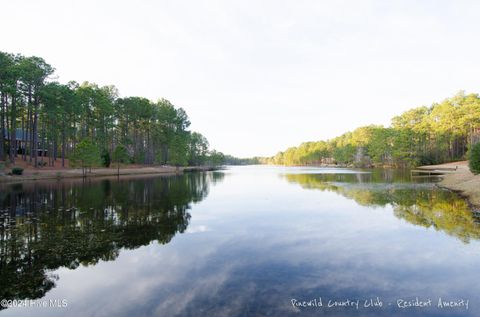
(245, 241)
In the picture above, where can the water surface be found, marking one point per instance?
(247, 241)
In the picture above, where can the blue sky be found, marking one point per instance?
(258, 76)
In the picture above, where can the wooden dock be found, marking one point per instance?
(432, 171)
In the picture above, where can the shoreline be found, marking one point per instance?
(462, 182)
(456, 177)
(32, 175)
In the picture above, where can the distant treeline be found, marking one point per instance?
(230, 160)
(42, 120)
(440, 133)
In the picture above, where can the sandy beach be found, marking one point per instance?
(461, 181)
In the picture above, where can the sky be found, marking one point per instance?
(256, 77)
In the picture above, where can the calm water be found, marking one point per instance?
(247, 241)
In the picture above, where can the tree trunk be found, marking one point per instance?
(2, 128)
(13, 131)
(63, 142)
(30, 124)
(35, 133)
(24, 155)
(49, 146)
(43, 142)
(7, 123)
(54, 150)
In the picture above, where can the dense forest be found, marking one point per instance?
(43, 121)
(440, 133)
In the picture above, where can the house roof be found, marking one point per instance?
(20, 135)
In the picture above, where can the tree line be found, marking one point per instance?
(42, 121)
(442, 132)
(231, 160)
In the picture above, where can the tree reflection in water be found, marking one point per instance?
(419, 202)
(48, 225)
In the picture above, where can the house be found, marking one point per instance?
(475, 135)
(22, 142)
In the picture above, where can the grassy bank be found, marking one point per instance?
(31, 174)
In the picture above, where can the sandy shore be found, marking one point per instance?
(32, 174)
(462, 181)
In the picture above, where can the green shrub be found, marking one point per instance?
(474, 158)
(428, 159)
(17, 171)
(105, 157)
